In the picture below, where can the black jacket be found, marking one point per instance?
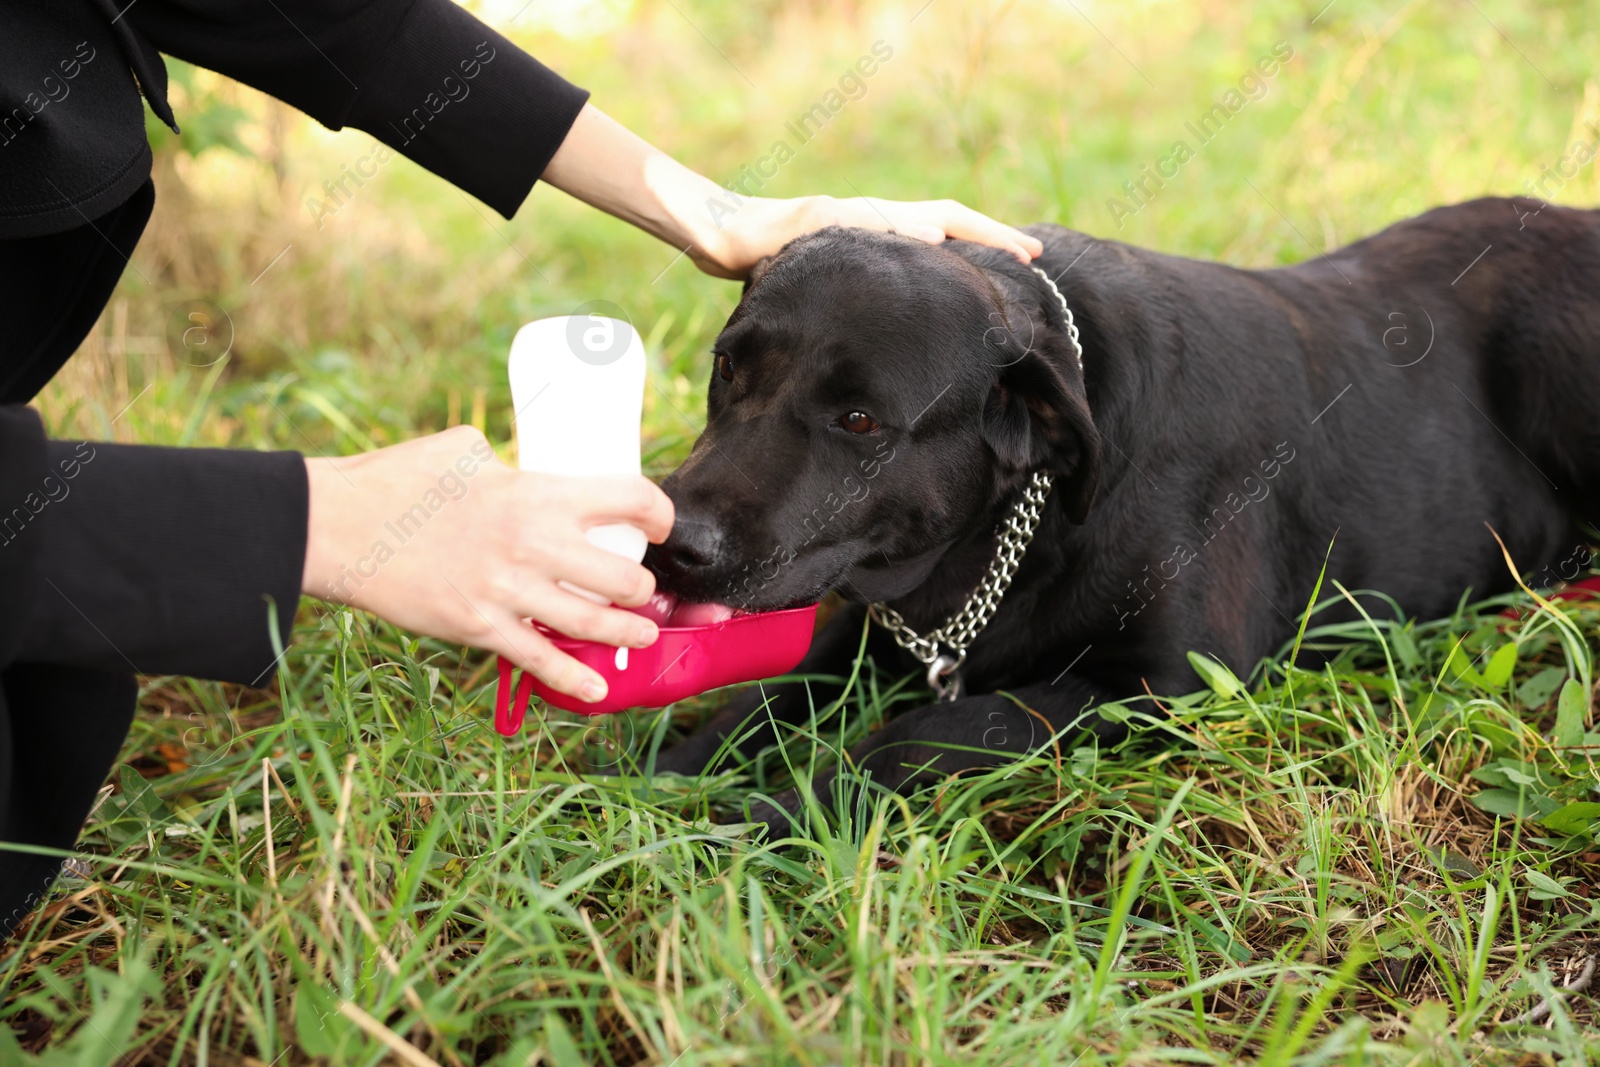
(118, 560)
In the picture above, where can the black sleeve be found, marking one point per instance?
(423, 76)
(22, 470)
(163, 560)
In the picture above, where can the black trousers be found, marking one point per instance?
(60, 730)
(115, 560)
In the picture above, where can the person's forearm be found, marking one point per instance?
(607, 166)
(610, 167)
(163, 560)
(435, 83)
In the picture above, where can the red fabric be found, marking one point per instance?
(1583, 589)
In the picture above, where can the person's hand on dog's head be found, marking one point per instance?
(725, 232)
(760, 226)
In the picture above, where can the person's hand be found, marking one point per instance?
(438, 536)
(759, 226)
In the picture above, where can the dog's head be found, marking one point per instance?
(874, 401)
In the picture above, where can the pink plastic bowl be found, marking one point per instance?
(684, 661)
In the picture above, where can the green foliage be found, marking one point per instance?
(110, 1011)
(207, 118)
(1254, 876)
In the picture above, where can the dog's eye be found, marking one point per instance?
(725, 367)
(858, 422)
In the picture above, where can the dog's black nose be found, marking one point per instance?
(693, 547)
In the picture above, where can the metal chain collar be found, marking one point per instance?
(944, 650)
(1072, 326)
(962, 628)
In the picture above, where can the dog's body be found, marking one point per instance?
(1393, 400)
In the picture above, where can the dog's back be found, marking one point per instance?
(1407, 394)
(1524, 279)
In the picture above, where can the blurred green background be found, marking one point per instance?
(393, 315)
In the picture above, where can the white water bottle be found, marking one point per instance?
(577, 390)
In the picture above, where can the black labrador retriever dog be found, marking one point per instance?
(884, 417)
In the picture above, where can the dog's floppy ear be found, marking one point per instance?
(1036, 415)
(761, 267)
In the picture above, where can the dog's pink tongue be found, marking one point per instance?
(701, 614)
(664, 609)
(658, 609)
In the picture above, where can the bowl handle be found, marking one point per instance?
(509, 711)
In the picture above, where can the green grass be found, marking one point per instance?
(1291, 871)
(1379, 862)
